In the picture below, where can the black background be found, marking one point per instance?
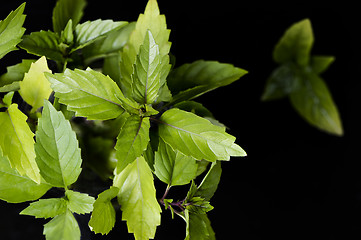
(296, 182)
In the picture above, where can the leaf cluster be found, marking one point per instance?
(298, 78)
(132, 120)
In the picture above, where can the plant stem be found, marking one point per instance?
(165, 195)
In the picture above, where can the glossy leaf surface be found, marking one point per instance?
(152, 21)
(88, 93)
(89, 31)
(146, 77)
(57, 151)
(197, 137)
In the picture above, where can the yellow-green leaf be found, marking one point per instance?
(35, 87)
(11, 30)
(138, 199)
(15, 188)
(17, 142)
(62, 227)
(152, 21)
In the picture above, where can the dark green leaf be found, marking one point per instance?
(64, 11)
(283, 81)
(210, 182)
(111, 67)
(192, 80)
(320, 63)
(314, 103)
(198, 227)
(43, 43)
(11, 30)
(295, 45)
(198, 205)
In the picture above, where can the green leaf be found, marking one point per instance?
(152, 21)
(64, 11)
(89, 31)
(111, 67)
(295, 44)
(15, 86)
(15, 188)
(88, 93)
(198, 227)
(103, 216)
(16, 73)
(132, 140)
(46, 208)
(17, 143)
(35, 87)
(79, 203)
(210, 182)
(192, 80)
(173, 167)
(319, 64)
(198, 205)
(138, 200)
(57, 151)
(11, 30)
(282, 82)
(313, 101)
(67, 35)
(8, 98)
(43, 43)
(197, 137)
(62, 227)
(146, 77)
(109, 45)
